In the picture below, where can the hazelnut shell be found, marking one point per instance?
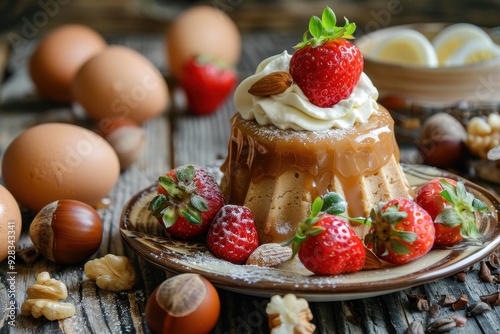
(66, 231)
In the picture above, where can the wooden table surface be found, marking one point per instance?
(172, 140)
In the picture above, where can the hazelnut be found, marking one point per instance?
(186, 303)
(66, 231)
(441, 141)
(125, 136)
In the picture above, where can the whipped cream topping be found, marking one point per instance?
(293, 110)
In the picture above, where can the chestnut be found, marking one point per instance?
(441, 142)
(186, 303)
(66, 231)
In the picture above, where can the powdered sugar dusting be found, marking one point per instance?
(272, 133)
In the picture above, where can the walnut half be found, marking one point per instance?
(50, 309)
(111, 272)
(289, 315)
(43, 299)
(47, 288)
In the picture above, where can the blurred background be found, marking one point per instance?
(32, 17)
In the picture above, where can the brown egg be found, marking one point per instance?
(10, 224)
(121, 82)
(58, 57)
(55, 161)
(202, 30)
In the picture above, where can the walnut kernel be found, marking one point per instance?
(50, 309)
(43, 299)
(47, 288)
(111, 272)
(289, 315)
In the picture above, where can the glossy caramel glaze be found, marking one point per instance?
(278, 173)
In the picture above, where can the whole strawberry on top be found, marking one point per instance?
(232, 235)
(452, 208)
(401, 231)
(327, 66)
(188, 199)
(325, 242)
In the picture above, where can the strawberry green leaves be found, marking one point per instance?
(182, 190)
(453, 208)
(397, 238)
(401, 231)
(331, 203)
(188, 197)
(325, 29)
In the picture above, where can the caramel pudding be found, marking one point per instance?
(277, 168)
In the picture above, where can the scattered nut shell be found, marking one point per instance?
(478, 308)
(461, 303)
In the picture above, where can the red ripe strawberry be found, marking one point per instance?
(452, 208)
(327, 67)
(206, 83)
(401, 231)
(188, 198)
(325, 243)
(233, 235)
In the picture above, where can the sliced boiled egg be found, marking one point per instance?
(406, 47)
(449, 40)
(476, 51)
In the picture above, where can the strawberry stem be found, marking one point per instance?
(462, 210)
(325, 29)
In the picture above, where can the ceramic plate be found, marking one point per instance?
(145, 236)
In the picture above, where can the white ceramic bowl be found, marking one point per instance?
(413, 93)
(439, 86)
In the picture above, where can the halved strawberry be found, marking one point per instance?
(233, 235)
(188, 198)
(325, 243)
(327, 67)
(401, 231)
(452, 208)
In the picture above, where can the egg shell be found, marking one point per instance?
(57, 58)
(55, 161)
(10, 223)
(121, 82)
(202, 30)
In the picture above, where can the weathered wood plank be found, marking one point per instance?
(97, 310)
(198, 140)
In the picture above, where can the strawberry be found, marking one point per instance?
(233, 235)
(206, 83)
(452, 208)
(325, 243)
(327, 66)
(401, 231)
(188, 198)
